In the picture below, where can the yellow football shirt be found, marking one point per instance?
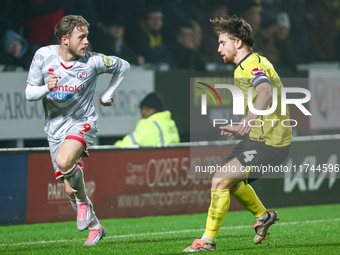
(250, 72)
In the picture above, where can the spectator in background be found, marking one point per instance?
(322, 36)
(287, 56)
(249, 10)
(156, 126)
(302, 22)
(127, 8)
(149, 40)
(272, 40)
(173, 13)
(253, 17)
(265, 39)
(85, 8)
(185, 50)
(198, 36)
(108, 38)
(14, 48)
(210, 37)
(43, 17)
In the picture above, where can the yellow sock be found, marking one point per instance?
(246, 196)
(220, 201)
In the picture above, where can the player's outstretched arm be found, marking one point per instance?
(106, 98)
(34, 93)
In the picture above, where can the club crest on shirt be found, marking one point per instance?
(257, 71)
(81, 74)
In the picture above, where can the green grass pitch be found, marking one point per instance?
(301, 230)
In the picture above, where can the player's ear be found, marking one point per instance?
(239, 43)
(64, 40)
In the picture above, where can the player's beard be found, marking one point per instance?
(75, 52)
(230, 57)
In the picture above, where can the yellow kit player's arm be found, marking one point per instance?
(264, 96)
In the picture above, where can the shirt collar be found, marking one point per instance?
(250, 53)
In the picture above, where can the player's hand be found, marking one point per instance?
(52, 81)
(248, 123)
(229, 130)
(106, 104)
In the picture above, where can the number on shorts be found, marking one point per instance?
(86, 127)
(249, 155)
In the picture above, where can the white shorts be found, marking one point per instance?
(83, 132)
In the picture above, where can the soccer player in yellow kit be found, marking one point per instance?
(266, 139)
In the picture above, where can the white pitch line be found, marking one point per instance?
(171, 232)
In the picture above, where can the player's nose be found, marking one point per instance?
(86, 41)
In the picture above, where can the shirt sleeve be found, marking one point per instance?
(111, 64)
(107, 64)
(35, 77)
(34, 93)
(258, 73)
(35, 88)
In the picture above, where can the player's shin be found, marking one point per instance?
(74, 203)
(247, 197)
(220, 201)
(76, 180)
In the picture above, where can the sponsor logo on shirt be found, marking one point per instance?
(257, 71)
(65, 91)
(81, 74)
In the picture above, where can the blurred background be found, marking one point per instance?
(167, 43)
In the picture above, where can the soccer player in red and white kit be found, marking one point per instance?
(64, 76)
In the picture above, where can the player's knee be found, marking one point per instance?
(221, 183)
(63, 163)
(234, 187)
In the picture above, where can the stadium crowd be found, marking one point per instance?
(175, 32)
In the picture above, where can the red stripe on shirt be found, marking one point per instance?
(66, 67)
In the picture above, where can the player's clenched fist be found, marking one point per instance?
(52, 81)
(106, 104)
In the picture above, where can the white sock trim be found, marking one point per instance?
(71, 170)
(262, 218)
(208, 239)
(95, 224)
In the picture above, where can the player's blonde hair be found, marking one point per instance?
(66, 25)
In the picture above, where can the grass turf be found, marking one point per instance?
(301, 230)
